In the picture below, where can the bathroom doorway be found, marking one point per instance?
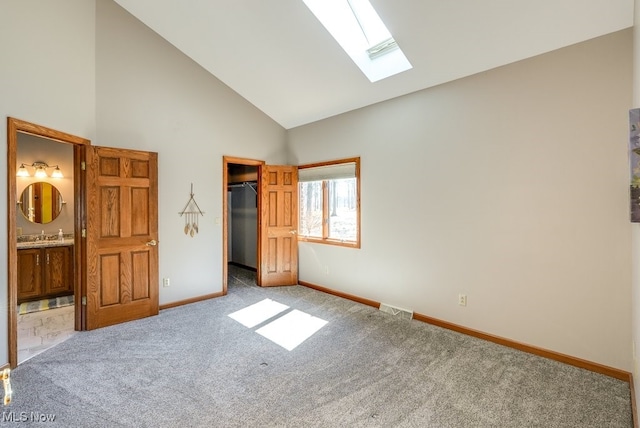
(44, 252)
(104, 292)
(44, 227)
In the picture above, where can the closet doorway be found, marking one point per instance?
(241, 215)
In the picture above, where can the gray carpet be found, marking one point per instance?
(193, 366)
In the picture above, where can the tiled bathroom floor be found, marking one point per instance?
(39, 331)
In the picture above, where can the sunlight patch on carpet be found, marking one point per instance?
(292, 329)
(258, 313)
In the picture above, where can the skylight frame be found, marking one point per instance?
(358, 29)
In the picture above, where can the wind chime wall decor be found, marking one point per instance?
(191, 213)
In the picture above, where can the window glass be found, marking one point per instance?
(310, 206)
(343, 212)
(329, 202)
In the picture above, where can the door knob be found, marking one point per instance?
(293, 232)
(152, 243)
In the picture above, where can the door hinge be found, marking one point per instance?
(84, 233)
(84, 300)
(83, 165)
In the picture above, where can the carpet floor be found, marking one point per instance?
(195, 366)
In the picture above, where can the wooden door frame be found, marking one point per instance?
(14, 126)
(226, 160)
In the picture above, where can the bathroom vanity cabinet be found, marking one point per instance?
(45, 272)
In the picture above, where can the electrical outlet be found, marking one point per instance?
(462, 299)
(166, 282)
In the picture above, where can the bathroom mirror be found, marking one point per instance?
(40, 202)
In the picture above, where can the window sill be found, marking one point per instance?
(336, 242)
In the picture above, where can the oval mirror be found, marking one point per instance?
(40, 202)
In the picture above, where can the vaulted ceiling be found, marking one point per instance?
(280, 58)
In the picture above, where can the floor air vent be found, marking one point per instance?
(399, 312)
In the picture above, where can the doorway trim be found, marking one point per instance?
(226, 160)
(14, 126)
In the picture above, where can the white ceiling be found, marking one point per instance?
(279, 57)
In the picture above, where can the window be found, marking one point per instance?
(358, 29)
(329, 202)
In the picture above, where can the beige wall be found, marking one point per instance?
(88, 68)
(47, 77)
(509, 186)
(635, 231)
(152, 97)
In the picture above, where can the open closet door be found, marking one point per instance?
(279, 202)
(121, 235)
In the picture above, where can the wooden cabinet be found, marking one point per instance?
(29, 274)
(45, 272)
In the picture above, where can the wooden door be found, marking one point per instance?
(37, 204)
(122, 234)
(279, 240)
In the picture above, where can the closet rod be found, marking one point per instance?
(244, 184)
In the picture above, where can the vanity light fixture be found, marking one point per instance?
(40, 170)
(57, 173)
(22, 171)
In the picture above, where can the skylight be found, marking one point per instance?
(361, 33)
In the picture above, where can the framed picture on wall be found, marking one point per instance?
(634, 163)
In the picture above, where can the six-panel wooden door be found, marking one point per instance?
(279, 228)
(122, 234)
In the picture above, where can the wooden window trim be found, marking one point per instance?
(325, 206)
(325, 209)
(329, 241)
